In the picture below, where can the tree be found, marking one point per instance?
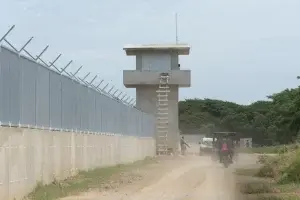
(274, 121)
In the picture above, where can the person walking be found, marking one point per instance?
(183, 145)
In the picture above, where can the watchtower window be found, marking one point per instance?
(156, 62)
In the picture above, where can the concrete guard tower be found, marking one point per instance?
(157, 79)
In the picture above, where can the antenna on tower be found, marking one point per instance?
(176, 28)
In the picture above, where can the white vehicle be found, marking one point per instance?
(206, 146)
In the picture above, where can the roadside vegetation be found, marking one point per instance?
(277, 177)
(96, 179)
(272, 122)
(279, 149)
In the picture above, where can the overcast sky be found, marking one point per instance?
(240, 50)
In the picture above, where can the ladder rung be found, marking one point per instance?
(165, 91)
(162, 109)
(163, 100)
(163, 104)
(162, 122)
(161, 113)
(162, 118)
(162, 95)
(163, 87)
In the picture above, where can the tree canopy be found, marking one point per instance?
(276, 120)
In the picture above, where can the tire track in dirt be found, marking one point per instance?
(171, 185)
(189, 178)
(218, 185)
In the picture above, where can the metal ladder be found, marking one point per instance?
(162, 124)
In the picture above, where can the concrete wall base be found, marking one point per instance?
(29, 156)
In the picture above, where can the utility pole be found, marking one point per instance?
(176, 27)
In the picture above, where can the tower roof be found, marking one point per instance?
(181, 49)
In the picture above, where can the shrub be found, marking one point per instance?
(290, 170)
(263, 159)
(284, 168)
(267, 171)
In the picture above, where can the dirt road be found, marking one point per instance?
(180, 178)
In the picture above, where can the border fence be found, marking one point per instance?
(37, 94)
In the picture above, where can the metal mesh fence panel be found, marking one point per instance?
(55, 100)
(43, 97)
(34, 95)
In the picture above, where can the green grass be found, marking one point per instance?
(256, 188)
(266, 189)
(279, 177)
(247, 171)
(83, 181)
(270, 191)
(267, 186)
(279, 149)
(261, 150)
(272, 197)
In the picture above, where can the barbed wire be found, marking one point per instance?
(108, 90)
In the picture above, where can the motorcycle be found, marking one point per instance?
(226, 159)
